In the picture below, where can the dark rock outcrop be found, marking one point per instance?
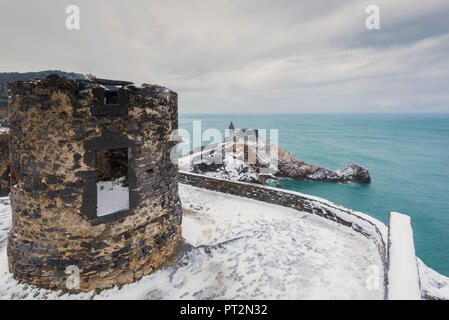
(290, 167)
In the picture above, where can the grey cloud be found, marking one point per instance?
(246, 56)
(402, 29)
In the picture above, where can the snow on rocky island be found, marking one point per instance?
(242, 158)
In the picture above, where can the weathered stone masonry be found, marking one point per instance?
(57, 128)
(4, 164)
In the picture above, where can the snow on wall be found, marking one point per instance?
(403, 276)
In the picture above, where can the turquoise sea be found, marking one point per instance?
(407, 156)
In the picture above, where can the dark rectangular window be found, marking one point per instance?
(111, 97)
(110, 102)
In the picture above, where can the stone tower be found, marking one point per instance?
(94, 191)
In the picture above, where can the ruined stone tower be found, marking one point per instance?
(93, 189)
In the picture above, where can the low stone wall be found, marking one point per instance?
(360, 222)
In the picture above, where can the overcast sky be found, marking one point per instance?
(246, 56)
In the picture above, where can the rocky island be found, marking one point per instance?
(252, 164)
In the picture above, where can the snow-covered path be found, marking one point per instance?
(279, 253)
(240, 248)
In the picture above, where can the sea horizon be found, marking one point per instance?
(314, 113)
(404, 153)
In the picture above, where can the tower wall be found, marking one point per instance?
(4, 164)
(57, 128)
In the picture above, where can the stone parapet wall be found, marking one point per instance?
(57, 127)
(362, 223)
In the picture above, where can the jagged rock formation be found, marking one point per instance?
(241, 158)
(290, 167)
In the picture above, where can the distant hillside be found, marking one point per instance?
(6, 77)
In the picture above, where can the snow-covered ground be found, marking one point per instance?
(5, 220)
(111, 197)
(238, 248)
(433, 284)
(272, 252)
